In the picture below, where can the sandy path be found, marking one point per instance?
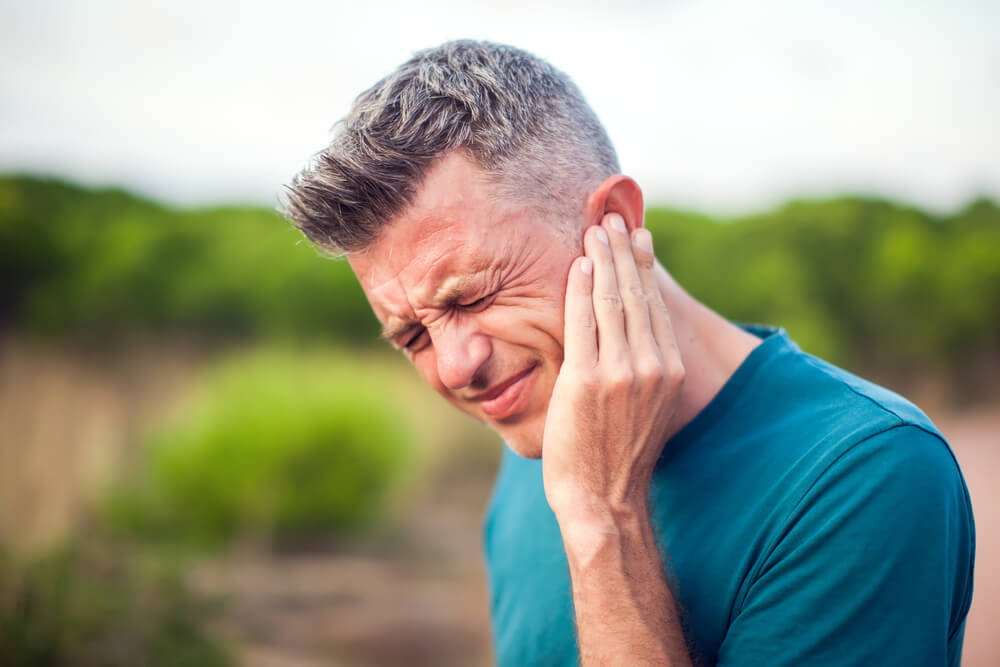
(975, 437)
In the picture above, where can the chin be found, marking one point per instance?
(524, 442)
(524, 433)
(528, 450)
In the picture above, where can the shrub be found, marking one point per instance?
(281, 444)
(93, 604)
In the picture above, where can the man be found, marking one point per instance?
(706, 493)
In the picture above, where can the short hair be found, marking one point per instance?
(522, 120)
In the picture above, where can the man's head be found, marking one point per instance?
(519, 119)
(458, 187)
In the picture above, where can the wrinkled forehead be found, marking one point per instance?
(418, 263)
(409, 251)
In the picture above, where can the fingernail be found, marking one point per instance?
(644, 240)
(587, 266)
(617, 222)
(602, 235)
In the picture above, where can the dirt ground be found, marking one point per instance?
(422, 602)
(975, 437)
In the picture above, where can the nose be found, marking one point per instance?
(460, 354)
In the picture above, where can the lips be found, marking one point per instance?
(502, 401)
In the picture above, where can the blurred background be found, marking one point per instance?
(206, 459)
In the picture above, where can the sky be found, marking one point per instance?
(725, 107)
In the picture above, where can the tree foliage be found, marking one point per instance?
(101, 263)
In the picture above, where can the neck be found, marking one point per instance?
(711, 349)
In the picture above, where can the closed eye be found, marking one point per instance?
(416, 341)
(478, 304)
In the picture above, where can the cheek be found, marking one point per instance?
(546, 306)
(536, 324)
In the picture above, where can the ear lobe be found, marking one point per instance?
(617, 194)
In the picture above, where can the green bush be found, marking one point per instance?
(280, 444)
(94, 605)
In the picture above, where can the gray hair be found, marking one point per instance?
(522, 120)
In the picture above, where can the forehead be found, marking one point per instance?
(454, 230)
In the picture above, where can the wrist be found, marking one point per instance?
(586, 519)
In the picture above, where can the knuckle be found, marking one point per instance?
(643, 259)
(659, 314)
(675, 375)
(656, 303)
(611, 303)
(585, 321)
(587, 381)
(620, 377)
(651, 372)
(637, 292)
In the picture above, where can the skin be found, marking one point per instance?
(578, 349)
(456, 236)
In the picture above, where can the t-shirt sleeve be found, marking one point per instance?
(874, 566)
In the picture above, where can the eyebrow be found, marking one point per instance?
(395, 328)
(451, 290)
(447, 294)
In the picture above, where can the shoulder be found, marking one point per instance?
(866, 395)
(880, 546)
(873, 565)
(898, 478)
(861, 477)
(868, 443)
(836, 411)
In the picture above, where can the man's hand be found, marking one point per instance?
(617, 390)
(608, 419)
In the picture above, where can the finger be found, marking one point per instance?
(607, 300)
(638, 331)
(659, 316)
(580, 331)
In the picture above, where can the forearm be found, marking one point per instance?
(625, 611)
(609, 415)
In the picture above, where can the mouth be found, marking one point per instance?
(502, 401)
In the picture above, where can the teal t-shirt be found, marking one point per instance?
(804, 517)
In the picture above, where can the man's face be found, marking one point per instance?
(472, 289)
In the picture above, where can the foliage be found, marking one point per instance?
(105, 262)
(863, 281)
(280, 444)
(93, 604)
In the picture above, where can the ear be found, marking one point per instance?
(617, 194)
